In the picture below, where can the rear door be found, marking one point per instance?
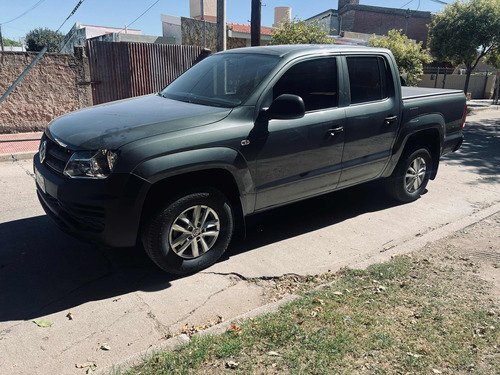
(372, 117)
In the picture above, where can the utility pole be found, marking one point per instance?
(221, 25)
(202, 16)
(255, 26)
(1, 38)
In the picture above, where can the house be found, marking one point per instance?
(80, 33)
(352, 17)
(201, 29)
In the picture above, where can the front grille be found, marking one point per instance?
(77, 216)
(56, 156)
(84, 217)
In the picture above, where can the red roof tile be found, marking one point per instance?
(239, 28)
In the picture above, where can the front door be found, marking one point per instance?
(302, 157)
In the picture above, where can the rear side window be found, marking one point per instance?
(369, 79)
(315, 81)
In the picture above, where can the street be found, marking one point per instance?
(119, 297)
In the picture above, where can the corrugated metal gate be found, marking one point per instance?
(123, 70)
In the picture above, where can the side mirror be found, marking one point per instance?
(286, 107)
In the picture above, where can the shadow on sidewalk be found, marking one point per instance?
(480, 149)
(43, 270)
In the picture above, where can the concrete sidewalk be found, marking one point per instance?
(24, 145)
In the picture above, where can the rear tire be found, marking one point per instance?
(189, 232)
(411, 175)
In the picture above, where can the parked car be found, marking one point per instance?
(241, 132)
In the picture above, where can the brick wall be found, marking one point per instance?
(57, 84)
(371, 22)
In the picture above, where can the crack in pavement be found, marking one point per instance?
(159, 326)
(244, 278)
(186, 316)
(27, 171)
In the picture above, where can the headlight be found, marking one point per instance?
(91, 164)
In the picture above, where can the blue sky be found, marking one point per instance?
(117, 13)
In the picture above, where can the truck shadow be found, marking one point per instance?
(43, 270)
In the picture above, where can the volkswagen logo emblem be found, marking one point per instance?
(43, 151)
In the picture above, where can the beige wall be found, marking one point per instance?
(57, 84)
(455, 81)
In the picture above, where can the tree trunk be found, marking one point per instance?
(467, 79)
(495, 101)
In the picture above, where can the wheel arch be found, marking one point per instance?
(431, 137)
(218, 178)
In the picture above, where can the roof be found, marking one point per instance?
(246, 29)
(400, 12)
(107, 27)
(296, 50)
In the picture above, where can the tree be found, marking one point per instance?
(300, 32)
(11, 43)
(465, 32)
(409, 55)
(38, 38)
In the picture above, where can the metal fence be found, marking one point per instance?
(123, 70)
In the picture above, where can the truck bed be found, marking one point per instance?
(419, 92)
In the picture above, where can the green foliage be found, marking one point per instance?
(409, 56)
(493, 58)
(11, 43)
(465, 31)
(38, 38)
(300, 32)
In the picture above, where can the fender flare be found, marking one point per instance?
(168, 166)
(412, 129)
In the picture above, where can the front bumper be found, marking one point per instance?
(106, 211)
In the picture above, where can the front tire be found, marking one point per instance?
(189, 232)
(411, 175)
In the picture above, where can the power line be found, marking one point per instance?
(24, 13)
(142, 14)
(402, 6)
(73, 12)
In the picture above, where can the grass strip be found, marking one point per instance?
(408, 315)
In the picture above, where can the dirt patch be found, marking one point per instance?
(474, 250)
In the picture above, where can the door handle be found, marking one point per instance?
(390, 119)
(334, 131)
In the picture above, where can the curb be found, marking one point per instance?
(17, 156)
(181, 340)
(472, 109)
(428, 237)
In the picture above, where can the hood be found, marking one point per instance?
(115, 124)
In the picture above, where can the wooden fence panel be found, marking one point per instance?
(123, 70)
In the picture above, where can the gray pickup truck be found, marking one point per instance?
(241, 132)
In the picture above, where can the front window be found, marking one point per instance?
(315, 81)
(224, 80)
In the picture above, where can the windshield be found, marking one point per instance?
(225, 80)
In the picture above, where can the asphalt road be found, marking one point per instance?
(118, 296)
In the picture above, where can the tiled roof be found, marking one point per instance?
(239, 28)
